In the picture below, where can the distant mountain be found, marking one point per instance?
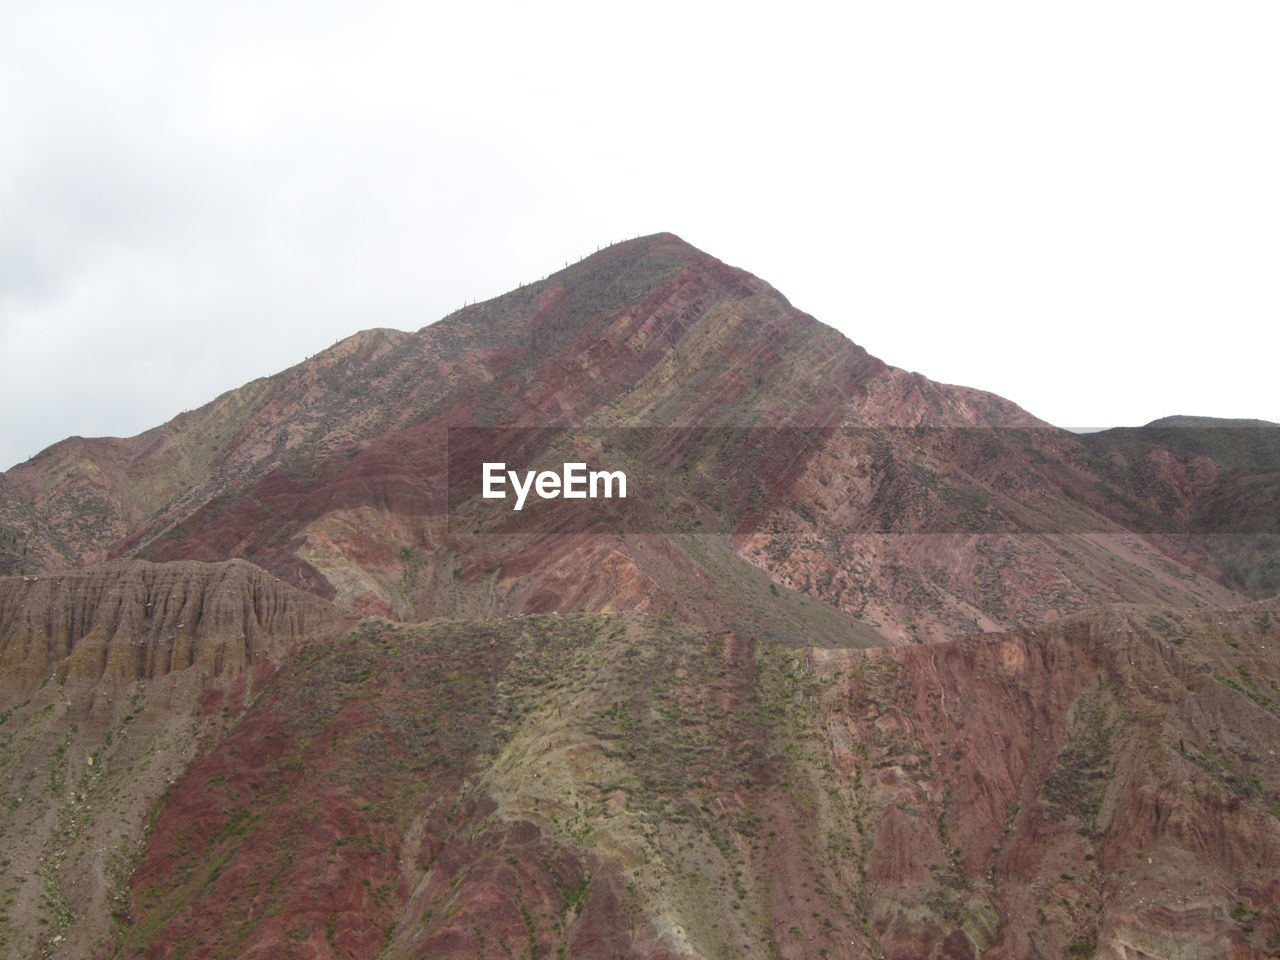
(1237, 518)
(1214, 422)
(1250, 444)
(865, 666)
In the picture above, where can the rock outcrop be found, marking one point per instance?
(116, 623)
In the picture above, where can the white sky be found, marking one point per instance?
(1075, 205)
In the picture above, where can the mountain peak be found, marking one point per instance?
(656, 252)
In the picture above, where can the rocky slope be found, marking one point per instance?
(603, 785)
(111, 679)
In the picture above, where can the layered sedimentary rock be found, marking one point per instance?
(116, 623)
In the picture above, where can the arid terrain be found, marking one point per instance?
(870, 666)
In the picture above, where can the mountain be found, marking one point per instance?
(865, 665)
(332, 475)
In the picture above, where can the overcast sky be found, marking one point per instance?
(1075, 205)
